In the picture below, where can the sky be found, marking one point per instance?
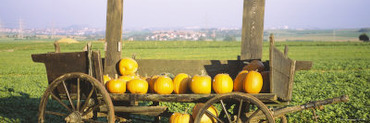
(321, 14)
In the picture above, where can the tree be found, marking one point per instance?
(229, 38)
(364, 37)
(364, 30)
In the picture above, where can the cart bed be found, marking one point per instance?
(186, 98)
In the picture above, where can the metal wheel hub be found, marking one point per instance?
(74, 117)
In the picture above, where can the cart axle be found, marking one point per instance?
(311, 105)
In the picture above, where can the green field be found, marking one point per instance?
(339, 68)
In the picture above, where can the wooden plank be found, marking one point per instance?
(58, 64)
(136, 109)
(98, 66)
(282, 74)
(264, 97)
(150, 67)
(303, 65)
(252, 30)
(113, 36)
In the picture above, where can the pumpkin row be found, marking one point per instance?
(248, 80)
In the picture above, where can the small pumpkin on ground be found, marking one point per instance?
(205, 118)
(222, 83)
(181, 82)
(181, 118)
(201, 84)
(253, 83)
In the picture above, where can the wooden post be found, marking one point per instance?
(56, 47)
(113, 36)
(252, 30)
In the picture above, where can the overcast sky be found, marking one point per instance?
(322, 14)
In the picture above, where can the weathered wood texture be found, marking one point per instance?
(149, 67)
(281, 73)
(136, 109)
(264, 97)
(56, 47)
(312, 104)
(303, 65)
(252, 30)
(58, 64)
(113, 36)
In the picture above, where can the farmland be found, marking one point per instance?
(339, 68)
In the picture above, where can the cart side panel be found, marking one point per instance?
(281, 74)
(149, 67)
(58, 64)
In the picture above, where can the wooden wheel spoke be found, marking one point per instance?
(69, 97)
(212, 115)
(60, 102)
(90, 109)
(55, 113)
(254, 113)
(78, 94)
(227, 114)
(87, 99)
(240, 108)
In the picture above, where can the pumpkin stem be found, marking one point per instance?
(186, 110)
(203, 73)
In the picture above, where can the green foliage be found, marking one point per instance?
(364, 37)
(339, 68)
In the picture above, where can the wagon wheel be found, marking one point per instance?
(75, 97)
(282, 119)
(246, 107)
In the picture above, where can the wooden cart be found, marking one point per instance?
(76, 92)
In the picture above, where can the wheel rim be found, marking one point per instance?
(246, 108)
(75, 97)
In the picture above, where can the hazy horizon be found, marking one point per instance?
(327, 14)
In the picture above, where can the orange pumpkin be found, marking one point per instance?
(254, 65)
(253, 83)
(180, 118)
(181, 82)
(128, 77)
(106, 78)
(222, 83)
(163, 85)
(137, 86)
(116, 86)
(173, 116)
(151, 83)
(201, 84)
(127, 66)
(205, 118)
(238, 82)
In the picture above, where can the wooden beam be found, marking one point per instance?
(188, 98)
(303, 65)
(113, 36)
(252, 30)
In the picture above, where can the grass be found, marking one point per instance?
(339, 68)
